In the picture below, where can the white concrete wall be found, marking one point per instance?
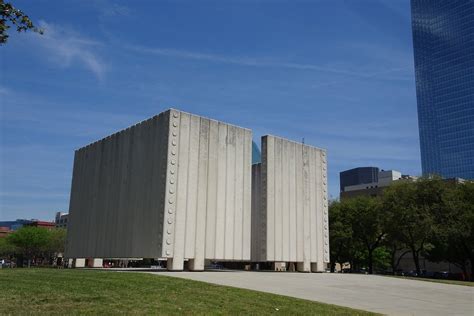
(387, 177)
(207, 191)
(176, 186)
(291, 217)
(117, 194)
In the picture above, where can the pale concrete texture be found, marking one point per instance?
(96, 263)
(379, 294)
(117, 196)
(289, 205)
(175, 186)
(79, 263)
(207, 192)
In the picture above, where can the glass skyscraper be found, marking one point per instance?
(443, 39)
(256, 154)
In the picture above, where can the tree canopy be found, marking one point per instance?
(11, 16)
(428, 217)
(33, 242)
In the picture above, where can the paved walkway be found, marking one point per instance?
(379, 294)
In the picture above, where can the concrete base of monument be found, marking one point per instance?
(79, 263)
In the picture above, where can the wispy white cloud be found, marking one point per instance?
(401, 8)
(268, 63)
(86, 125)
(65, 47)
(4, 91)
(115, 10)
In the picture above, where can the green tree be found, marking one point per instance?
(381, 258)
(6, 248)
(340, 235)
(56, 240)
(411, 208)
(357, 229)
(30, 242)
(396, 249)
(11, 16)
(367, 224)
(453, 240)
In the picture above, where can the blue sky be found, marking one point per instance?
(337, 73)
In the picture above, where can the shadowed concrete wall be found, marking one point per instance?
(117, 194)
(259, 218)
(175, 186)
(290, 215)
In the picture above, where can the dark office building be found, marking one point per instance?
(443, 39)
(359, 175)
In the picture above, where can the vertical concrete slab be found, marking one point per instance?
(108, 203)
(285, 200)
(182, 186)
(325, 206)
(212, 190)
(201, 226)
(170, 189)
(278, 196)
(306, 209)
(292, 207)
(221, 192)
(318, 210)
(268, 193)
(257, 230)
(290, 204)
(174, 186)
(239, 194)
(230, 193)
(313, 189)
(192, 189)
(299, 203)
(246, 194)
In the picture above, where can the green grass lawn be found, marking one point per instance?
(48, 291)
(455, 282)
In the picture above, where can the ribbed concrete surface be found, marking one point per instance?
(176, 186)
(290, 219)
(259, 222)
(385, 295)
(117, 194)
(208, 191)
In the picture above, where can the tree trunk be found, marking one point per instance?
(371, 270)
(416, 260)
(464, 272)
(392, 261)
(400, 258)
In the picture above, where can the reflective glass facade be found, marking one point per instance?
(443, 38)
(256, 154)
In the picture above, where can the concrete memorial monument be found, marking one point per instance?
(182, 187)
(289, 205)
(176, 186)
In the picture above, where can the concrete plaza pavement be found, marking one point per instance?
(386, 295)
